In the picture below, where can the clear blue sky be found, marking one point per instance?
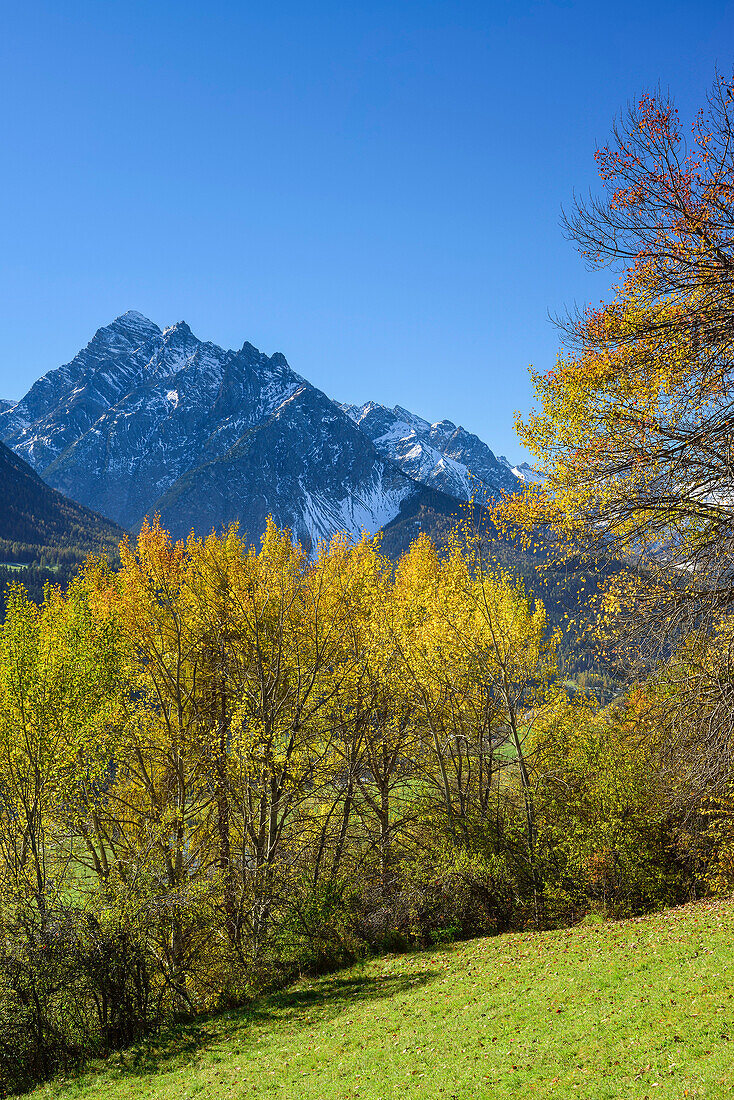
(371, 188)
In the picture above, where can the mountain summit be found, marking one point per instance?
(147, 420)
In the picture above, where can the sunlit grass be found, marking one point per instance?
(635, 1009)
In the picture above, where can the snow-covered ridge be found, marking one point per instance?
(441, 455)
(524, 472)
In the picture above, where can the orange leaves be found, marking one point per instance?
(645, 159)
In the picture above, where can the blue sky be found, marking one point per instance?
(372, 188)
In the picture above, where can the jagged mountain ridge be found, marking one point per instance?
(146, 420)
(442, 456)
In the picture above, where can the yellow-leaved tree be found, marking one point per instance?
(634, 426)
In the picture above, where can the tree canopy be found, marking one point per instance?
(633, 426)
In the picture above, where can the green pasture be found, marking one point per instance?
(633, 1009)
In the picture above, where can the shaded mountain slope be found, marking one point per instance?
(34, 515)
(306, 465)
(44, 536)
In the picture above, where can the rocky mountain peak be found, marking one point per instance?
(147, 420)
(131, 326)
(180, 329)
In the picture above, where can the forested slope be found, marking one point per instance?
(44, 536)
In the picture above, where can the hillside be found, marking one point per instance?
(630, 1010)
(44, 536)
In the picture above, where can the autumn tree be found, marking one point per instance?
(482, 667)
(59, 681)
(58, 677)
(634, 426)
(607, 833)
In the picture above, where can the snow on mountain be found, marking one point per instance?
(524, 472)
(147, 420)
(441, 455)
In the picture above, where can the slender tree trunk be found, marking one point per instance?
(346, 813)
(223, 823)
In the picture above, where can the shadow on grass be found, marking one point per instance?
(294, 1008)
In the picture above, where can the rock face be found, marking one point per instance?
(145, 420)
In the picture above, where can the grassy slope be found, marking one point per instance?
(641, 1008)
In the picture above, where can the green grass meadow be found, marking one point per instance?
(632, 1009)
